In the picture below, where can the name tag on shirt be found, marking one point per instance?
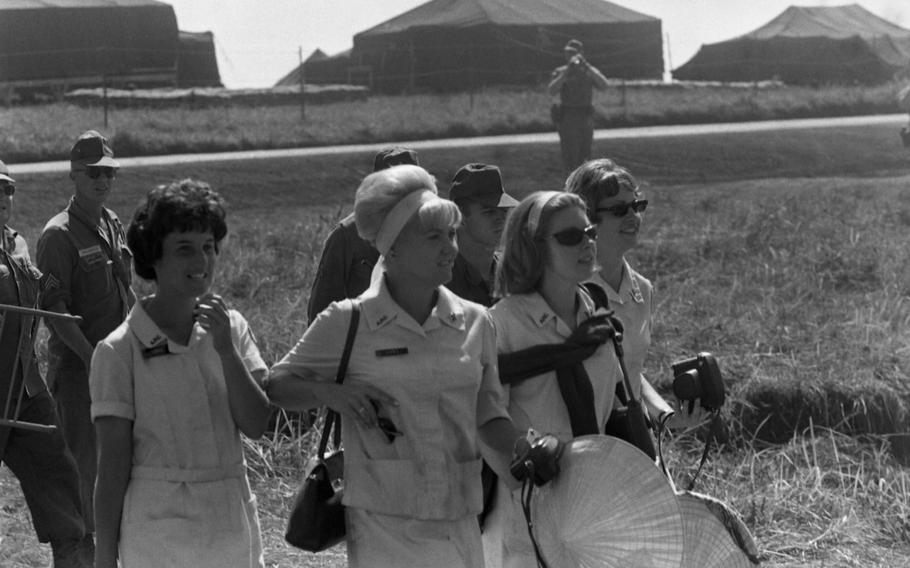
(93, 255)
(393, 352)
(155, 351)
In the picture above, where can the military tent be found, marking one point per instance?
(77, 42)
(462, 44)
(197, 65)
(808, 46)
(321, 69)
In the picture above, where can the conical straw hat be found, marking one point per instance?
(610, 506)
(715, 536)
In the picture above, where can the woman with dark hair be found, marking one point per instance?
(559, 370)
(616, 204)
(172, 389)
(421, 390)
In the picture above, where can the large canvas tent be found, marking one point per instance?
(809, 46)
(83, 42)
(197, 65)
(462, 44)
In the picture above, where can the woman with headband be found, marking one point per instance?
(556, 363)
(421, 388)
(616, 205)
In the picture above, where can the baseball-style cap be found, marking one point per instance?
(394, 156)
(574, 45)
(482, 183)
(93, 149)
(4, 173)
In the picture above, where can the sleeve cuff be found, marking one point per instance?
(117, 409)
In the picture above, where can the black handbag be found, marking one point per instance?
(317, 522)
(628, 423)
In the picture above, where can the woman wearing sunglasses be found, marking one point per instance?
(556, 364)
(421, 388)
(616, 204)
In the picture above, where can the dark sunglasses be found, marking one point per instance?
(95, 172)
(574, 236)
(622, 209)
(8, 188)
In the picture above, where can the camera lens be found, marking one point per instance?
(686, 385)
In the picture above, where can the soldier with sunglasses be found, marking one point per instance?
(85, 262)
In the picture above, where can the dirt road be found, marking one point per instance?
(897, 120)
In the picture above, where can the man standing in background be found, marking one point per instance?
(478, 192)
(347, 261)
(83, 255)
(575, 82)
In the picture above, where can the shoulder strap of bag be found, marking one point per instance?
(332, 418)
(624, 389)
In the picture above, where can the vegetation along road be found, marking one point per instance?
(897, 120)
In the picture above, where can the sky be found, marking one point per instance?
(257, 42)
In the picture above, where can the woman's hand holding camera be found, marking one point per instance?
(687, 415)
(536, 456)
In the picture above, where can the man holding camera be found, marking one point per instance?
(574, 82)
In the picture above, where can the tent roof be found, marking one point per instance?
(317, 55)
(467, 13)
(38, 4)
(838, 22)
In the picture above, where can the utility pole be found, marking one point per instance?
(300, 78)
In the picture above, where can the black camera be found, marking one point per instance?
(538, 457)
(699, 378)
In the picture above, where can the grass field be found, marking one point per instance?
(786, 255)
(43, 133)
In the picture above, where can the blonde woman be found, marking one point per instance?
(423, 364)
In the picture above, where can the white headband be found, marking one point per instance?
(540, 202)
(398, 217)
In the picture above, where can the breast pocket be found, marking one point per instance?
(95, 277)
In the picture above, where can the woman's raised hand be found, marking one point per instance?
(212, 314)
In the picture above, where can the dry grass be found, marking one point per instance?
(40, 133)
(799, 285)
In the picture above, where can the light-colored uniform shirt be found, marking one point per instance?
(188, 502)
(632, 305)
(526, 320)
(523, 321)
(443, 373)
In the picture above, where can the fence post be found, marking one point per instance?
(300, 78)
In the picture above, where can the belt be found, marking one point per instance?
(181, 475)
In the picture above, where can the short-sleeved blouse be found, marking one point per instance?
(444, 376)
(632, 305)
(188, 502)
(527, 320)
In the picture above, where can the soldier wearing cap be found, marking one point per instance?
(575, 82)
(38, 458)
(347, 260)
(477, 190)
(85, 262)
